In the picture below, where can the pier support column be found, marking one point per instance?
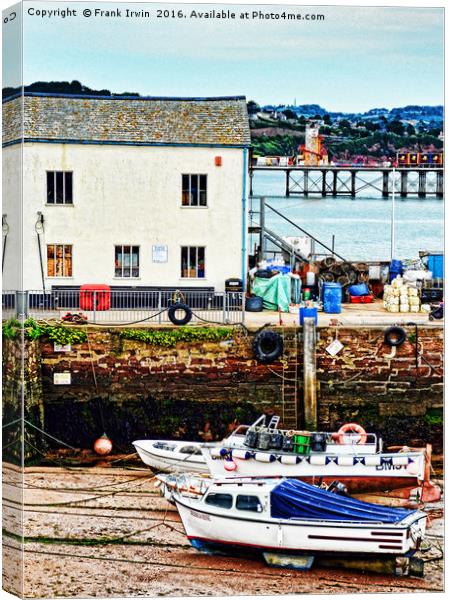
(385, 187)
(288, 174)
(335, 180)
(440, 184)
(404, 184)
(324, 183)
(422, 184)
(309, 374)
(305, 183)
(353, 184)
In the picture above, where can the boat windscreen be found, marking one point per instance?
(294, 499)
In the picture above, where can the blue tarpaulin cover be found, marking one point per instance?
(294, 499)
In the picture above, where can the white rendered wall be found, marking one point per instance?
(132, 196)
(12, 209)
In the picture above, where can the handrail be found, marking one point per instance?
(283, 245)
(304, 231)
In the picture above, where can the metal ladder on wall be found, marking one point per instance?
(289, 383)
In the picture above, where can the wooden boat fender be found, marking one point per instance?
(172, 311)
(352, 428)
(267, 346)
(264, 457)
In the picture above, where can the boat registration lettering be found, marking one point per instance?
(199, 515)
(388, 466)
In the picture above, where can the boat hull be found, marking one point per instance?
(360, 473)
(298, 536)
(169, 461)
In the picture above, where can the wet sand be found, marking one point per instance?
(107, 532)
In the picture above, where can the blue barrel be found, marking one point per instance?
(395, 269)
(332, 297)
(436, 265)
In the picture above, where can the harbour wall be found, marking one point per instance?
(199, 390)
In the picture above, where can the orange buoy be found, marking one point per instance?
(103, 445)
(361, 436)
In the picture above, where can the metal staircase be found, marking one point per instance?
(283, 245)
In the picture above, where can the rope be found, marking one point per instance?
(48, 435)
(12, 422)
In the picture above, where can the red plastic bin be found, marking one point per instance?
(100, 291)
(361, 299)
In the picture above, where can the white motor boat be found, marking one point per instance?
(171, 456)
(290, 516)
(351, 455)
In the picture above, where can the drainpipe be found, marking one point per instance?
(244, 220)
(39, 227)
(5, 231)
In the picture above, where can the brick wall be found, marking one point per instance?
(140, 390)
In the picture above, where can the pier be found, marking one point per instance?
(351, 181)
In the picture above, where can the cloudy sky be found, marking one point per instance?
(355, 59)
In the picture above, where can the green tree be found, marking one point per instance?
(396, 127)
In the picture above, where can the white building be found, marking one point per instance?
(141, 192)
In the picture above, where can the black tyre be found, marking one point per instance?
(174, 309)
(267, 346)
(254, 304)
(394, 336)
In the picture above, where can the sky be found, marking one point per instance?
(355, 59)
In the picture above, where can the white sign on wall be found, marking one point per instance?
(62, 347)
(159, 254)
(335, 347)
(62, 379)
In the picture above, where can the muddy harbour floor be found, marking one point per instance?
(98, 532)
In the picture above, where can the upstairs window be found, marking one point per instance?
(59, 187)
(126, 261)
(193, 190)
(59, 260)
(193, 262)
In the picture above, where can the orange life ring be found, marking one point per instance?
(354, 428)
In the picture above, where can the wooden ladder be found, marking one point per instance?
(289, 384)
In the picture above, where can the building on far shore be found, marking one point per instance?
(124, 191)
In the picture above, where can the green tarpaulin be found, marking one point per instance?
(275, 292)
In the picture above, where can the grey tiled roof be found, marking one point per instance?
(192, 121)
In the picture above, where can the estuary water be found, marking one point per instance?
(361, 225)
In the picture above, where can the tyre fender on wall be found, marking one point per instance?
(394, 336)
(172, 314)
(268, 346)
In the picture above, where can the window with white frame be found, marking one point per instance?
(59, 187)
(193, 261)
(126, 261)
(59, 260)
(194, 190)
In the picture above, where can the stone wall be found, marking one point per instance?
(136, 390)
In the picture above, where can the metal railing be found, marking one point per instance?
(125, 306)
